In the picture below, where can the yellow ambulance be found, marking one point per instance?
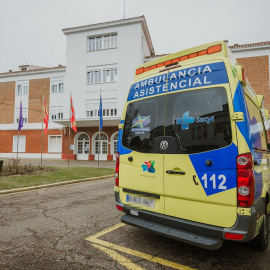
(193, 151)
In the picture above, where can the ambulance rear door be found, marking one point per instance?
(200, 161)
(141, 162)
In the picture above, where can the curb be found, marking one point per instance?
(2, 192)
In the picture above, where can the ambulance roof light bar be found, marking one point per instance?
(209, 50)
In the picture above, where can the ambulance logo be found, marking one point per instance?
(141, 121)
(185, 120)
(149, 166)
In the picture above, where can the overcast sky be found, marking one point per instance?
(31, 30)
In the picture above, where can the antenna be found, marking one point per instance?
(124, 9)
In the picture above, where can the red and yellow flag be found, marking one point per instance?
(72, 119)
(46, 118)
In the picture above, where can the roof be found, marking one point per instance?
(60, 67)
(258, 44)
(103, 24)
(140, 19)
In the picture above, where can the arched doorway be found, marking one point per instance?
(101, 148)
(114, 141)
(83, 146)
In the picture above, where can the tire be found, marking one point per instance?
(260, 242)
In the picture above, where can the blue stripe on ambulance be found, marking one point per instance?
(120, 148)
(221, 176)
(252, 137)
(204, 75)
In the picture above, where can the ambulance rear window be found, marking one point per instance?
(199, 120)
(143, 123)
(193, 121)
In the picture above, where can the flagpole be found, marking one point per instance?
(69, 126)
(98, 142)
(18, 143)
(99, 146)
(42, 120)
(19, 129)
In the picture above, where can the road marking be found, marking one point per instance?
(109, 246)
(119, 258)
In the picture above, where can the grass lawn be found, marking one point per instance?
(63, 174)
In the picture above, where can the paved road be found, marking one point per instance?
(47, 229)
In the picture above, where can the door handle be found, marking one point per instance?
(174, 172)
(194, 179)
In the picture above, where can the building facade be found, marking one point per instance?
(100, 61)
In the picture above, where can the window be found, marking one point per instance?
(55, 144)
(208, 126)
(21, 146)
(22, 88)
(101, 148)
(57, 88)
(110, 75)
(57, 85)
(94, 76)
(114, 143)
(102, 42)
(256, 124)
(109, 107)
(56, 113)
(209, 120)
(17, 114)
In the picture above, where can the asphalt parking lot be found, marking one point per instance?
(78, 227)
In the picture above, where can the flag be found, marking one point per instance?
(20, 118)
(46, 118)
(100, 114)
(72, 119)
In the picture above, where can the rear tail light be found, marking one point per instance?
(117, 170)
(245, 180)
(120, 208)
(234, 236)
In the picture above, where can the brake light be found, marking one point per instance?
(245, 180)
(209, 50)
(117, 170)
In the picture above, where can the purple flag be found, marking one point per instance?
(21, 118)
(100, 113)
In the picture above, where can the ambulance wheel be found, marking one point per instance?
(260, 242)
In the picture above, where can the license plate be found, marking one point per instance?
(140, 200)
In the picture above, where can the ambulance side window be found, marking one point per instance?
(267, 130)
(257, 132)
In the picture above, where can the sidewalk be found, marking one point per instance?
(64, 163)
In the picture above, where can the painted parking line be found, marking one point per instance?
(119, 258)
(109, 249)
